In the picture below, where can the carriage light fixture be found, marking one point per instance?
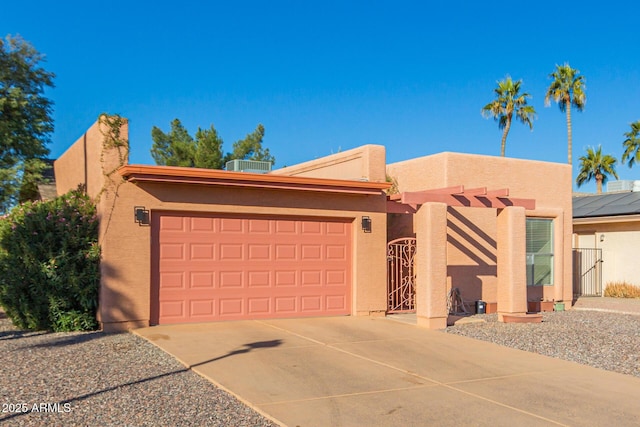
(366, 224)
(141, 215)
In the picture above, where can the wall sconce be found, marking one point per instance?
(366, 224)
(141, 215)
(602, 237)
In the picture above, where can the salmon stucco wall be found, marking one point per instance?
(366, 163)
(83, 162)
(92, 161)
(472, 233)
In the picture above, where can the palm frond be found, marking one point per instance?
(509, 101)
(596, 166)
(632, 144)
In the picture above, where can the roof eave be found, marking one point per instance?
(606, 219)
(181, 175)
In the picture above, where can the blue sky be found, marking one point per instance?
(329, 76)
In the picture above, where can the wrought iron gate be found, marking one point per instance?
(587, 272)
(401, 276)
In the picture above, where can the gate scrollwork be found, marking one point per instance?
(401, 275)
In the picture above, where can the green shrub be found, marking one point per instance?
(49, 264)
(621, 290)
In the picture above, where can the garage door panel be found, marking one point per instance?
(285, 227)
(260, 226)
(231, 307)
(202, 279)
(311, 252)
(258, 279)
(285, 305)
(172, 280)
(335, 278)
(311, 227)
(285, 278)
(224, 268)
(202, 308)
(311, 303)
(201, 224)
(337, 228)
(172, 309)
(172, 223)
(336, 302)
(336, 252)
(285, 252)
(231, 225)
(310, 278)
(169, 251)
(259, 306)
(231, 251)
(202, 251)
(261, 251)
(230, 279)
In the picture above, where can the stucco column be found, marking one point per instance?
(431, 265)
(512, 273)
(562, 289)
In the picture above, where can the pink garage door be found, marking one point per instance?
(226, 268)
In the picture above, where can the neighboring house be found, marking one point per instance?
(195, 245)
(47, 187)
(607, 237)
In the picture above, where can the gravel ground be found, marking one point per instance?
(82, 379)
(608, 341)
(69, 379)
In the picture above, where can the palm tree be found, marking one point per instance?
(632, 144)
(567, 89)
(596, 166)
(509, 101)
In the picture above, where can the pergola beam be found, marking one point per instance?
(457, 196)
(502, 192)
(480, 191)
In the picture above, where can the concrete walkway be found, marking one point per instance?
(359, 371)
(608, 304)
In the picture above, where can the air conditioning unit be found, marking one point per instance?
(621, 185)
(253, 166)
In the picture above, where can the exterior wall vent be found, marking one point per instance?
(253, 166)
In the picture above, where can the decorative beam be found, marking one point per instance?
(502, 192)
(457, 196)
(503, 202)
(400, 208)
(456, 189)
(480, 191)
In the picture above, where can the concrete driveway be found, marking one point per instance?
(360, 371)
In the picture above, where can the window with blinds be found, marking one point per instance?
(539, 252)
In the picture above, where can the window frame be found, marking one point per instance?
(548, 268)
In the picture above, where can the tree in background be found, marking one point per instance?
(509, 101)
(178, 148)
(25, 120)
(250, 148)
(567, 89)
(208, 152)
(632, 144)
(596, 166)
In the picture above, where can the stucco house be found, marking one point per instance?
(197, 245)
(606, 233)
